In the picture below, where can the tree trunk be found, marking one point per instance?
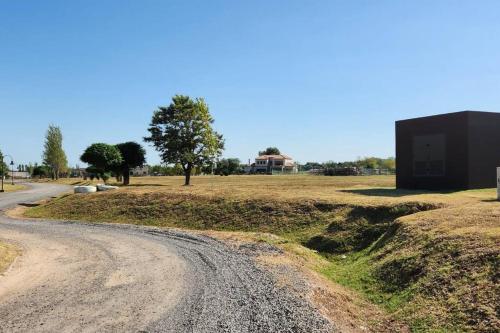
(187, 174)
(126, 176)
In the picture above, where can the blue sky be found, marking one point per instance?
(322, 80)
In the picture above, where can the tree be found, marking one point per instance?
(103, 158)
(4, 168)
(270, 151)
(41, 171)
(388, 163)
(53, 155)
(228, 166)
(183, 134)
(133, 155)
(311, 165)
(30, 168)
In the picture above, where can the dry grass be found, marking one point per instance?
(12, 188)
(8, 253)
(357, 190)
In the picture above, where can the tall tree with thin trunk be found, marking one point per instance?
(183, 134)
(53, 155)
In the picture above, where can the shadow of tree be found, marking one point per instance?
(143, 185)
(491, 200)
(391, 192)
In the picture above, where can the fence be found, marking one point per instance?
(351, 171)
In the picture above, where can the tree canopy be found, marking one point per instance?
(228, 166)
(40, 171)
(54, 156)
(4, 168)
(103, 158)
(270, 151)
(133, 155)
(182, 132)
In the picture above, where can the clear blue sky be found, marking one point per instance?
(322, 80)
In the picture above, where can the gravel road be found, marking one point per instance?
(78, 277)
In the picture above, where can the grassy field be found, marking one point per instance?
(430, 259)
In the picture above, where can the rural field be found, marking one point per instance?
(427, 259)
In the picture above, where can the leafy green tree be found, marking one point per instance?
(3, 167)
(183, 134)
(369, 162)
(311, 165)
(93, 172)
(228, 166)
(41, 171)
(166, 170)
(133, 155)
(388, 163)
(30, 168)
(103, 158)
(53, 155)
(270, 151)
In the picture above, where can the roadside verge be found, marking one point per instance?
(8, 253)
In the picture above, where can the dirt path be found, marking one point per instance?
(99, 277)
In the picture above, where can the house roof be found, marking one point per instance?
(278, 157)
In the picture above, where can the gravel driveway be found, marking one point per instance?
(78, 277)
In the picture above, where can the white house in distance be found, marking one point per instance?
(140, 171)
(269, 163)
(19, 174)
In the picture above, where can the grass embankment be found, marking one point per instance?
(8, 253)
(430, 259)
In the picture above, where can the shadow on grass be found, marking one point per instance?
(391, 192)
(491, 200)
(142, 185)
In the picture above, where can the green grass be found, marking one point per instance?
(355, 271)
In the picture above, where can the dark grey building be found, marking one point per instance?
(459, 150)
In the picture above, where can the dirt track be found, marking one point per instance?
(101, 277)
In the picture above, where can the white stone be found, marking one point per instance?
(103, 187)
(85, 189)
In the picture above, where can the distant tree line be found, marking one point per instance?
(329, 168)
(222, 167)
(166, 170)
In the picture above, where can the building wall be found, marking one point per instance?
(484, 149)
(445, 138)
(140, 171)
(19, 174)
